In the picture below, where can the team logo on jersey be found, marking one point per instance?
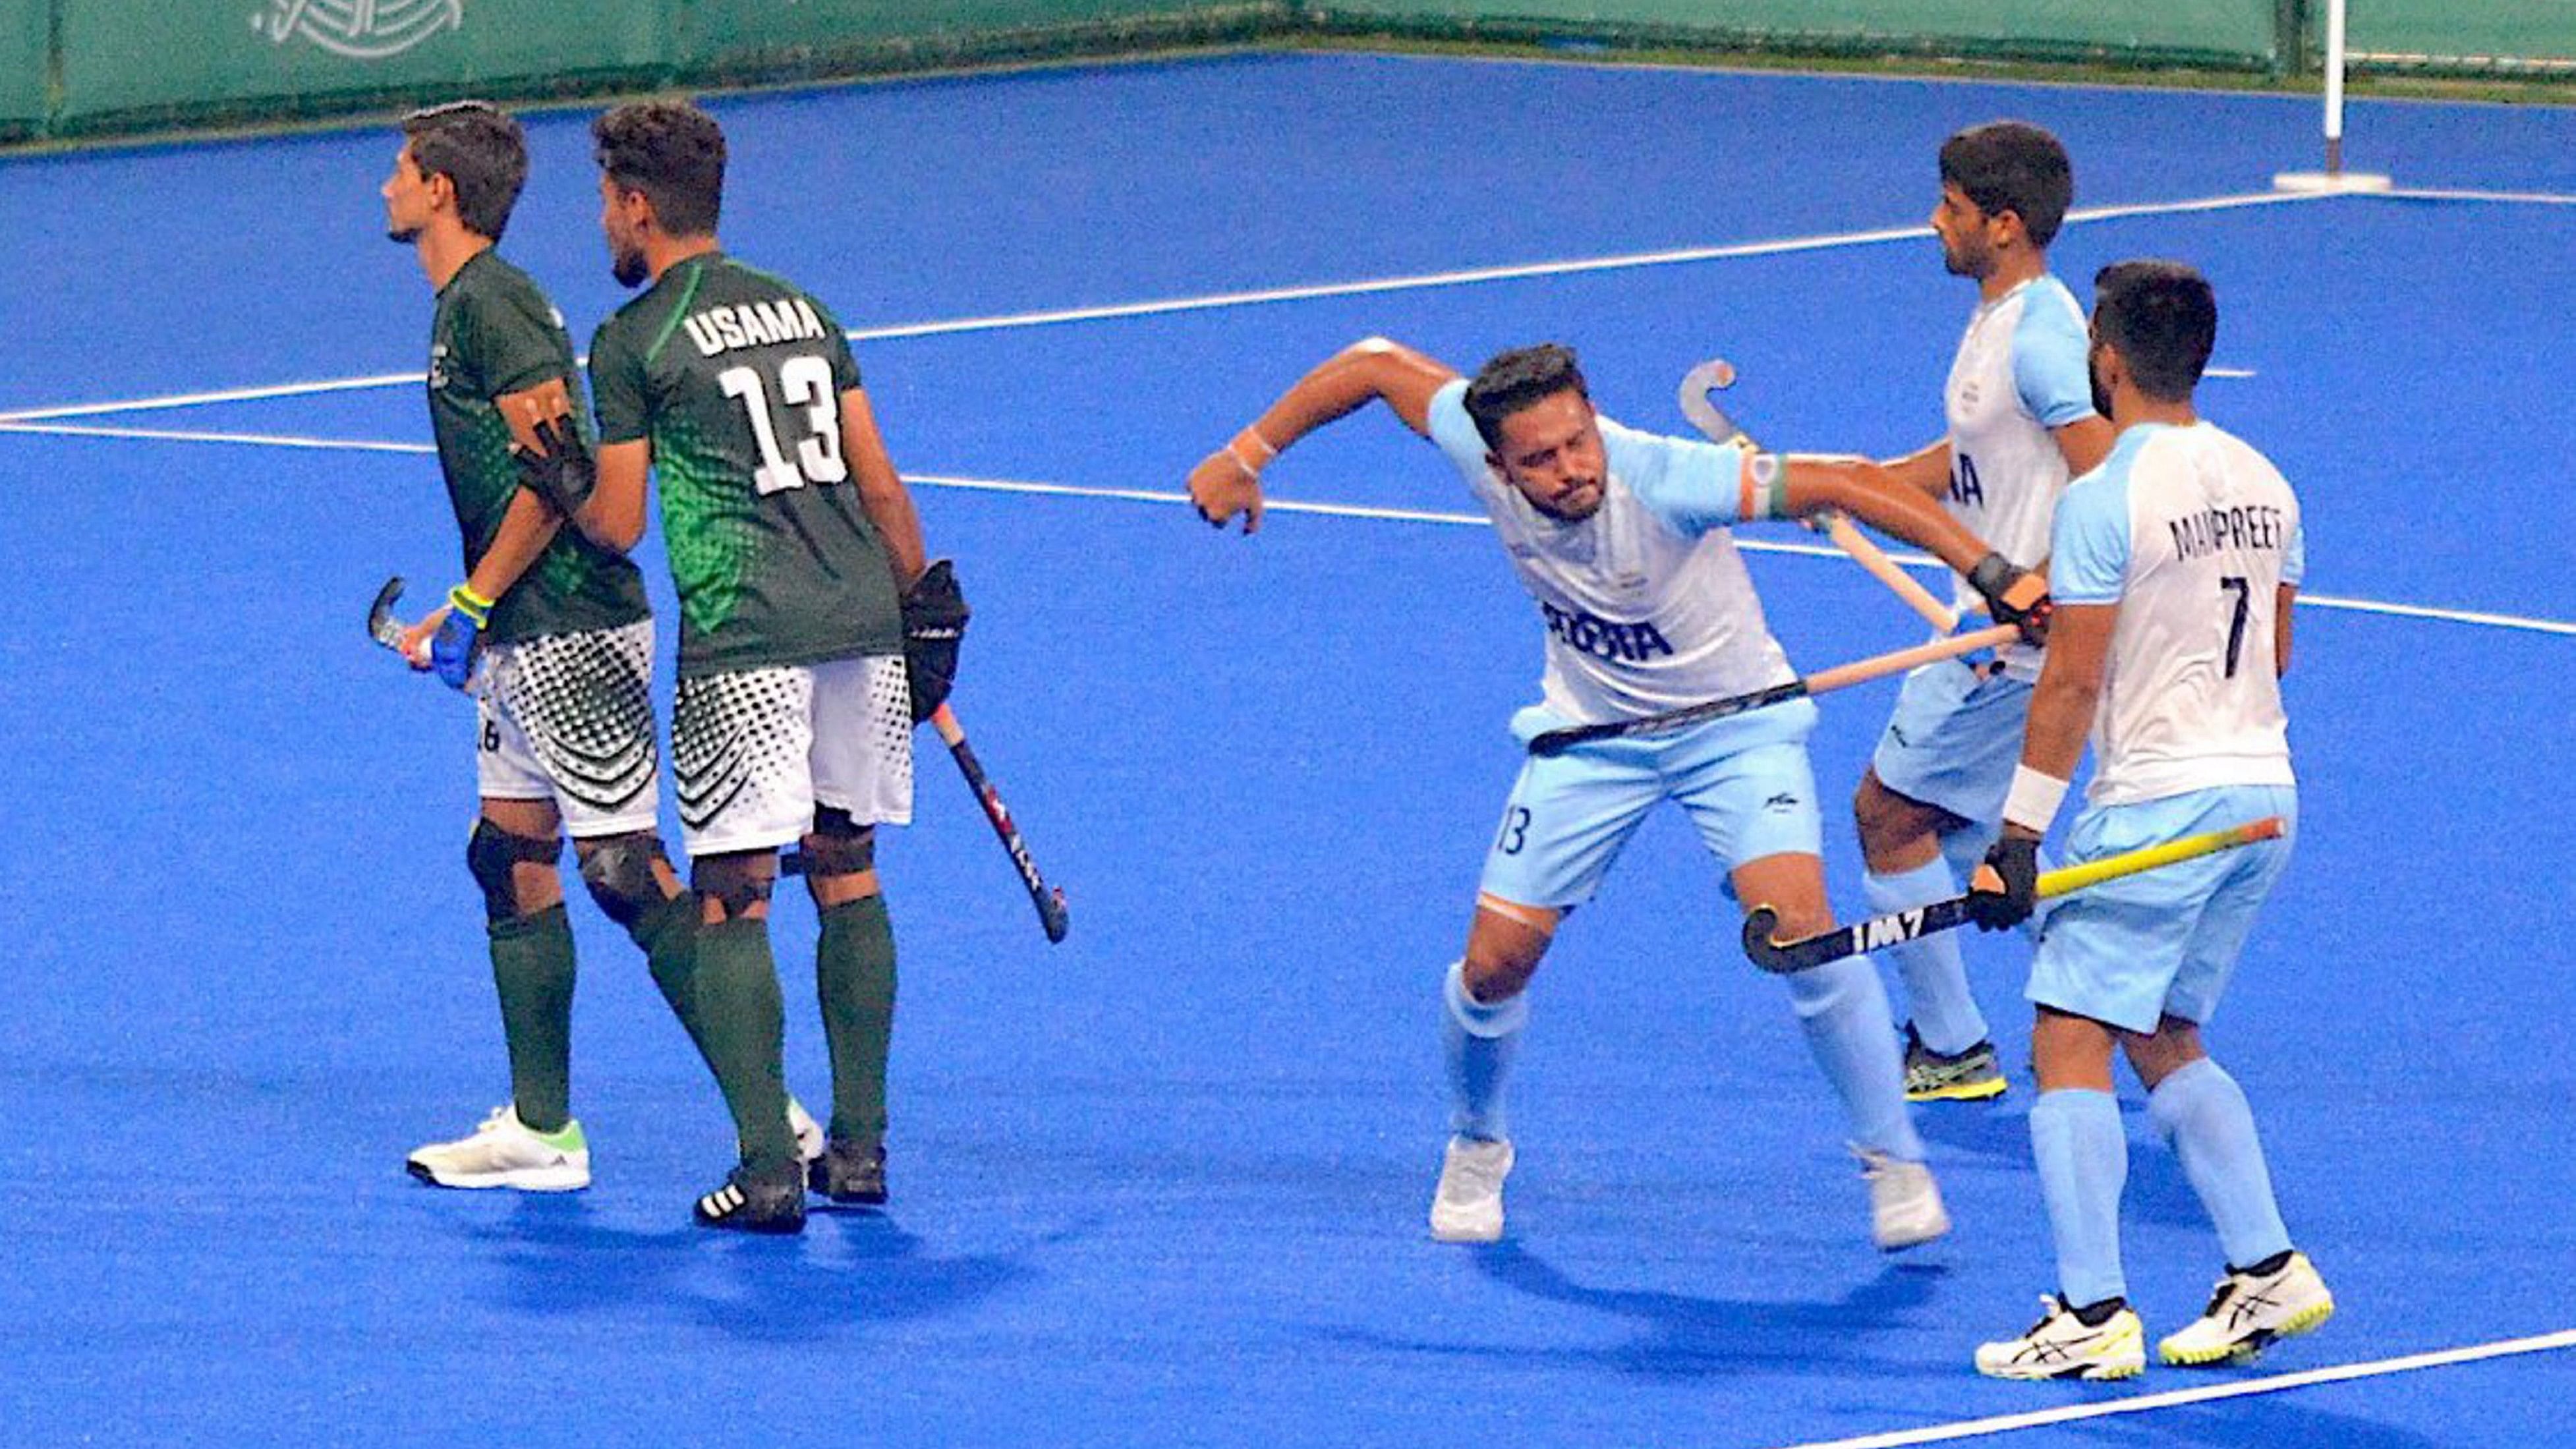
(437, 366)
(359, 29)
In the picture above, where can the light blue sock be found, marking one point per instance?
(1945, 1014)
(1843, 1008)
(2202, 1114)
(1479, 1040)
(2083, 1163)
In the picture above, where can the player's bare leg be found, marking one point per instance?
(1484, 1007)
(1949, 1053)
(1843, 1009)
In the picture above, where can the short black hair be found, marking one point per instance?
(672, 152)
(1513, 380)
(482, 153)
(2162, 318)
(2013, 166)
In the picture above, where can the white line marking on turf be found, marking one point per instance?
(1262, 296)
(1274, 505)
(2040, 1418)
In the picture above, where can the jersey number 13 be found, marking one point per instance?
(803, 381)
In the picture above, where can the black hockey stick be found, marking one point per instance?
(382, 626)
(1898, 927)
(1048, 899)
(1558, 741)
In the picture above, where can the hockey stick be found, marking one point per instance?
(1718, 427)
(1901, 926)
(1048, 899)
(1558, 741)
(382, 626)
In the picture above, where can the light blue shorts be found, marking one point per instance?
(1744, 781)
(2164, 941)
(1953, 739)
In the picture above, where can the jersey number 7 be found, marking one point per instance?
(804, 380)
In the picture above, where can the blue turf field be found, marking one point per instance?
(1164, 1184)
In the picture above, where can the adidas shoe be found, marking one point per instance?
(503, 1152)
(1970, 1076)
(2278, 1298)
(809, 1133)
(849, 1174)
(2061, 1345)
(1468, 1206)
(750, 1202)
(1905, 1208)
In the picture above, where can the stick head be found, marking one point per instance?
(1759, 923)
(1707, 416)
(381, 624)
(1051, 915)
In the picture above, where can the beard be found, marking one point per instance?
(402, 235)
(2101, 394)
(627, 265)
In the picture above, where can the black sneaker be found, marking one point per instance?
(749, 1202)
(1969, 1076)
(849, 1174)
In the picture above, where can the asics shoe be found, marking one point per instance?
(2280, 1297)
(756, 1202)
(1468, 1206)
(503, 1152)
(2061, 1345)
(1969, 1076)
(1905, 1208)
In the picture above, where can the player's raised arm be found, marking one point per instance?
(1228, 481)
(1926, 470)
(1812, 484)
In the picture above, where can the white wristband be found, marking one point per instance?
(2034, 799)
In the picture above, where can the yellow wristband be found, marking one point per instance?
(472, 605)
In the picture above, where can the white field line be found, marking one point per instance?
(1219, 300)
(1273, 505)
(2071, 1413)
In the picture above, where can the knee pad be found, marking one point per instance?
(618, 872)
(733, 880)
(838, 845)
(491, 852)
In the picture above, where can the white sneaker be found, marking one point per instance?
(2248, 1310)
(504, 1153)
(1904, 1202)
(2060, 1346)
(1468, 1207)
(809, 1133)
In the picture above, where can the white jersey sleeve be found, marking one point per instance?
(2190, 533)
(1647, 604)
(2019, 374)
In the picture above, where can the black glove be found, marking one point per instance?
(2013, 595)
(2005, 889)
(559, 470)
(934, 624)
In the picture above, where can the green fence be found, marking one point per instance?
(26, 63)
(2236, 32)
(2489, 35)
(98, 67)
